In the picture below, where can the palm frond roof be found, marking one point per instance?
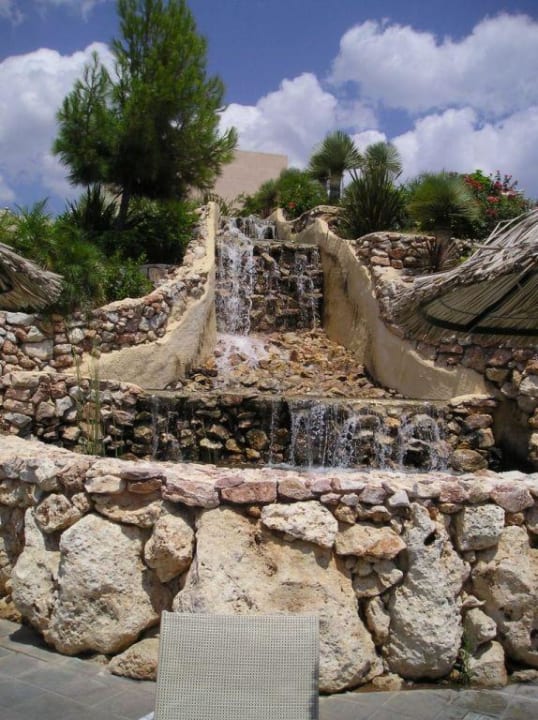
(493, 293)
(23, 284)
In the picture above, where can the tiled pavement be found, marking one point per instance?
(38, 684)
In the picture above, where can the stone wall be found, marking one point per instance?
(511, 373)
(57, 343)
(362, 278)
(288, 287)
(414, 577)
(120, 418)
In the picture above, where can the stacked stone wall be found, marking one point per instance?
(288, 287)
(121, 419)
(54, 343)
(414, 577)
(512, 372)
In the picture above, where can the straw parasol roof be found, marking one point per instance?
(494, 293)
(24, 285)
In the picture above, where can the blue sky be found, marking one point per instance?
(453, 84)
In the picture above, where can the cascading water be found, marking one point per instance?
(309, 316)
(326, 434)
(235, 281)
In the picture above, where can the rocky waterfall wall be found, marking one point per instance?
(413, 576)
(119, 418)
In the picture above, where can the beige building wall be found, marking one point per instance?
(247, 172)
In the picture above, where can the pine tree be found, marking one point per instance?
(150, 129)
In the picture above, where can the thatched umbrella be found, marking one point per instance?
(494, 293)
(24, 285)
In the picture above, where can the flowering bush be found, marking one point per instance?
(498, 198)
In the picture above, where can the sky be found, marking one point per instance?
(452, 83)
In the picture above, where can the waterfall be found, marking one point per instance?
(309, 316)
(235, 281)
(328, 434)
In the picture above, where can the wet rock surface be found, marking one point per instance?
(292, 363)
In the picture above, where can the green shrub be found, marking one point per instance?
(371, 202)
(443, 203)
(90, 277)
(295, 191)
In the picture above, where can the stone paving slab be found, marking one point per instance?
(37, 683)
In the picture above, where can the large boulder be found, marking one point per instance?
(425, 622)
(244, 568)
(506, 578)
(34, 574)
(105, 594)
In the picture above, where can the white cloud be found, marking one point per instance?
(6, 193)
(293, 119)
(32, 88)
(83, 7)
(10, 11)
(456, 140)
(493, 69)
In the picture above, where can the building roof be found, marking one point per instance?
(493, 293)
(24, 285)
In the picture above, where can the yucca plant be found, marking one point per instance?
(440, 201)
(372, 201)
(336, 154)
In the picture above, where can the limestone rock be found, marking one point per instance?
(465, 460)
(34, 575)
(239, 569)
(307, 521)
(293, 489)
(426, 629)
(365, 540)
(506, 578)
(513, 498)
(388, 683)
(377, 620)
(56, 513)
(487, 667)
(141, 510)
(196, 491)
(105, 595)
(139, 661)
(384, 575)
(11, 543)
(479, 527)
(255, 491)
(170, 548)
(105, 485)
(478, 628)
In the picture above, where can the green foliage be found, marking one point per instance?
(159, 230)
(498, 199)
(298, 192)
(372, 201)
(442, 203)
(264, 200)
(336, 154)
(156, 230)
(152, 129)
(90, 278)
(295, 191)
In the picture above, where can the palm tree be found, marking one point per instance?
(439, 201)
(382, 158)
(336, 154)
(372, 201)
